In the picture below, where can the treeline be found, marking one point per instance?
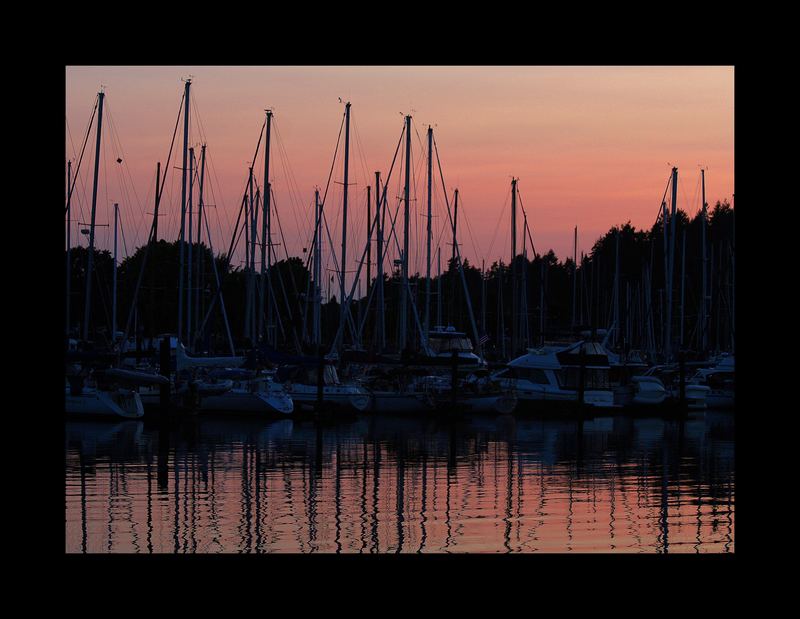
(515, 306)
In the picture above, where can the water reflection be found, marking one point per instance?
(392, 485)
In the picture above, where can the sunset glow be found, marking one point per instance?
(592, 146)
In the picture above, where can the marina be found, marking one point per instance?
(297, 371)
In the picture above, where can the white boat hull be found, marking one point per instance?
(348, 397)
(123, 403)
(241, 401)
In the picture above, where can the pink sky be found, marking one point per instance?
(591, 146)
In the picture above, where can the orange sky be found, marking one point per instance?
(592, 146)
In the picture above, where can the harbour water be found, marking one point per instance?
(399, 485)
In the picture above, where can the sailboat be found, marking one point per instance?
(248, 392)
(113, 393)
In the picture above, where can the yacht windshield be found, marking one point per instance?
(450, 344)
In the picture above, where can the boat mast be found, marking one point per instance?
(317, 271)
(455, 223)
(200, 256)
(69, 240)
(183, 204)
(253, 240)
(88, 304)
(574, 273)
(248, 224)
(704, 304)
(379, 264)
(733, 274)
(668, 339)
(190, 263)
(266, 247)
(344, 209)
(483, 297)
(404, 260)
(523, 305)
(369, 239)
(616, 325)
(541, 300)
(114, 278)
(513, 265)
(683, 285)
(439, 286)
(428, 253)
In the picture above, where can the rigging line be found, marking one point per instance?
(169, 155)
(244, 198)
(213, 169)
(283, 160)
(469, 231)
(293, 187)
(527, 227)
(105, 190)
(83, 185)
(83, 148)
(124, 242)
(360, 148)
(123, 156)
(291, 276)
(332, 254)
(153, 225)
(499, 220)
(666, 189)
(322, 204)
(458, 255)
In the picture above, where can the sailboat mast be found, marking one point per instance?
(514, 295)
(151, 313)
(439, 286)
(404, 262)
(483, 297)
(616, 325)
(704, 304)
(733, 273)
(428, 252)
(574, 273)
(369, 238)
(190, 264)
(155, 212)
(248, 209)
(379, 264)
(200, 260)
(88, 304)
(668, 338)
(344, 210)
(266, 247)
(455, 222)
(183, 204)
(683, 283)
(69, 241)
(114, 278)
(317, 271)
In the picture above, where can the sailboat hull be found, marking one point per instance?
(122, 403)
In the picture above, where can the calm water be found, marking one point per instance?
(388, 485)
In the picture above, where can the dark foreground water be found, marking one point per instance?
(388, 485)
